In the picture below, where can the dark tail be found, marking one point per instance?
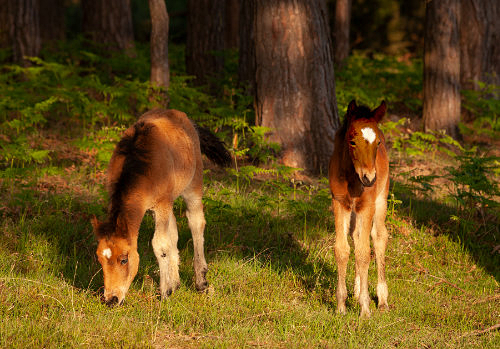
(213, 147)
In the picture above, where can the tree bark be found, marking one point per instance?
(160, 73)
(4, 25)
(246, 63)
(109, 22)
(231, 30)
(341, 31)
(52, 22)
(24, 29)
(205, 39)
(295, 82)
(479, 43)
(442, 66)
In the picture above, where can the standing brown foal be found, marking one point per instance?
(157, 160)
(359, 182)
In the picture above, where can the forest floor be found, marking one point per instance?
(269, 245)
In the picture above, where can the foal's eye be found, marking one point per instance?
(124, 261)
(352, 143)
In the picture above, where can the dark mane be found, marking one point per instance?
(362, 112)
(134, 147)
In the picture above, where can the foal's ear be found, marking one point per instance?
(379, 112)
(352, 107)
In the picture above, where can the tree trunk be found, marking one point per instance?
(442, 66)
(205, 39)
(246, 63)
(109, 22)
(295, 82)
(160, 73)
(24, 28)
(4, 25)
(479, 43)
(341, 31)
(52, 23)
(231, 30)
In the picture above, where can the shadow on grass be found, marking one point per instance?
(244, 230)
(62, 222)
(478, 235)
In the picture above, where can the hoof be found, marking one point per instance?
(383, 307)
(168, 292)
(202, 286)
(365, 314)
(341, 309)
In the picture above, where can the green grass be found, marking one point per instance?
(269, 236)
(272, 275)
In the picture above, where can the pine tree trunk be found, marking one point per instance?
(231, 30)
(52, 23)
(160, 73)
(5, 42)
(109, 22)
(205, 39)
(246, 63)
(24, 28)
(479, 43)
(295, 83)
(442, 66)
(341, 30)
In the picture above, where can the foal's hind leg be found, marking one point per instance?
(342, 250)
(379, 235)
(165, 248)
(196, 221)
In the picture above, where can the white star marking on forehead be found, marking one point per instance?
(368, 134)
(106, 253)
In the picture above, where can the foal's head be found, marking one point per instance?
(119, 260)
(363, 138)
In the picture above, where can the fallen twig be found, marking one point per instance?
(487, 299)
(479, 332)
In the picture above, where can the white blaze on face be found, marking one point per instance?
(368, 134)
(106, 253)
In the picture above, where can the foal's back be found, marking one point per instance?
(165, 157)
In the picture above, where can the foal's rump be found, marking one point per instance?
(161, 153)
(204, 140)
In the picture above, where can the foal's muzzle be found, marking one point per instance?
(367, 182)
(113, 301)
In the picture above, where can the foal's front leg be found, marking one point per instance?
(379, 235)
(361, 237)
(165, 249)
(342, 250)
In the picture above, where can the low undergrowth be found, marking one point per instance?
(269, 236)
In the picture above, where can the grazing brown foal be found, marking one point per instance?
(157, 160)
(359, 182)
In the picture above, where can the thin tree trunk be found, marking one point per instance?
(341, 30)
(160, 73)
(109, 22)
(24, 29)
(442, 66)
(295, 83)
(205, 39)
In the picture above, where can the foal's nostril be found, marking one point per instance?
(112, 302)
